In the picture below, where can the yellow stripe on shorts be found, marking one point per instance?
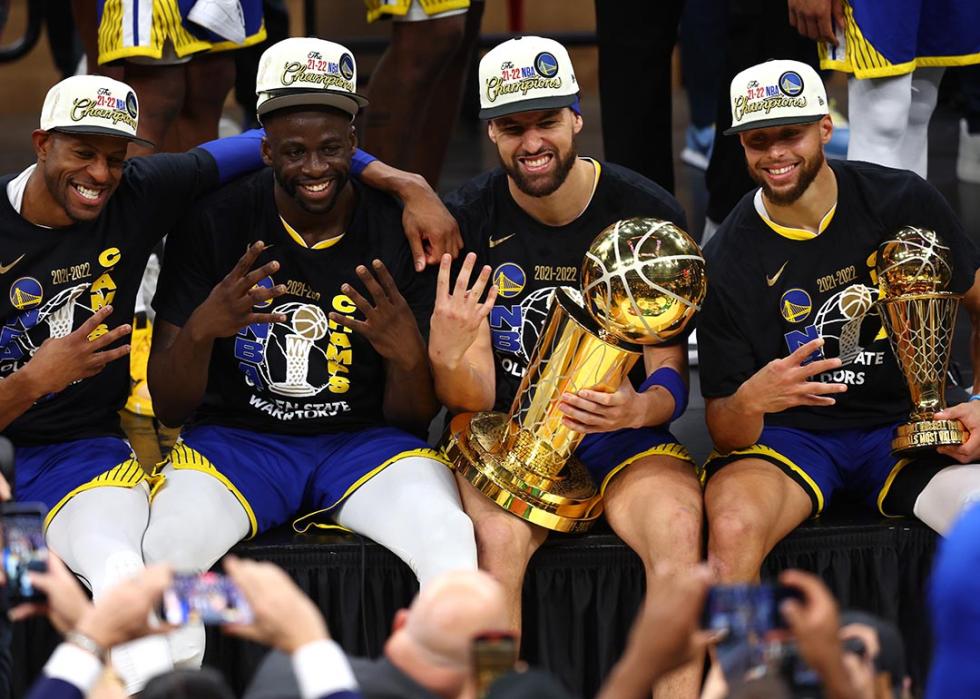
(399, 8)
(303, 524)
(127, 474)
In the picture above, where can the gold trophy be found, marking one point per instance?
(914, 270)
(642, 281)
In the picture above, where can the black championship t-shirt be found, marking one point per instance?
(531, 259)
(55, 278)
(306, 375)
(769, 293)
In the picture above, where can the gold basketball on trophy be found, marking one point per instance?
(643, 279)
(913, 261)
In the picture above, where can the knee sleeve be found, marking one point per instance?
(194, 520)
(947, 495)
(97, 534)
(878, 113)
(412, 508)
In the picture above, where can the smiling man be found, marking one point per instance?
(299, 368)
(530, 223)
(802, 391)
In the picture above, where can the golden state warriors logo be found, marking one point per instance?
(265, 283)
(795, 305)
(131, 105)
(546, 64)
(26, 293)
(509, 280)
(790, 83)
(347, 66)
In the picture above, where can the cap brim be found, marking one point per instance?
(102, 131)
(532, 105)
(349, 102)
(778, 121)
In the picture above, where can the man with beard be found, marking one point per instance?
(802, 391)
(300, 374)
(530, 223)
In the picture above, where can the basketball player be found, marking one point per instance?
(895, 54)
(529, 224)
(77, 228)
(803, 392)
(298, 367)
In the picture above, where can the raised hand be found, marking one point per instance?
(785, 383)
(458, 314)
(389, 324)
(284, 617)
(60, 362)
(231, 304)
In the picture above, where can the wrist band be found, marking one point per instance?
(975, 396)
(671, 380)
(87, 644)
(360, 161)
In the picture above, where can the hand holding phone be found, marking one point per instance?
(208, 598)
(494, 655)
(23, 551)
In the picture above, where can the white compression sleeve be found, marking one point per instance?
(878, 113)
(947, 495)
(97, 533)
(915, 145)
(412, 508)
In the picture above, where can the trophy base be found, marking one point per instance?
(926, 435)
(568, 502)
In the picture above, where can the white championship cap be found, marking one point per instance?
(305, 71)
(526, 74)
(92, 104)
(776, 93)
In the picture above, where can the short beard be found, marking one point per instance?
(808, 173)
(541, 186)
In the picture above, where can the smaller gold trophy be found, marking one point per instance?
(642, 280)
(914, 270)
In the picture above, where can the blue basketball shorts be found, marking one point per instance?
(277, 476)
(607, 453)
(55, 473)
(858, 461)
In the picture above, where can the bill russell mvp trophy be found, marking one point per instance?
(642, 281)
(914, 270)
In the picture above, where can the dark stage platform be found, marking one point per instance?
(581, 593)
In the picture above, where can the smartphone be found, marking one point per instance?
(208, 598)
(24, 549)
(741, 609)
(494, 655)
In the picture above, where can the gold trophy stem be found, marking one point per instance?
(524, 461)
(920, 330)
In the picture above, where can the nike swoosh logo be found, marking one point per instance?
(6, 268)
(498, 241)
(775, 278)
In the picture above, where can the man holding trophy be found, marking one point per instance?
(529, 225)
(819, 280)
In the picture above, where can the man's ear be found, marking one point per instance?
(491, 132)
(266, 151)
(401, 618)
(353, 137)
(577, 122)
(41, 141)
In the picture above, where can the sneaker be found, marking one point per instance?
(968, 157)
(697, 146)
(837, 147)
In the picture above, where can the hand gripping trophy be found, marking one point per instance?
(914, 270)
(642, 281)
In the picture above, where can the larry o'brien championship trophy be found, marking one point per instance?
(642, 281)
(914, 270)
